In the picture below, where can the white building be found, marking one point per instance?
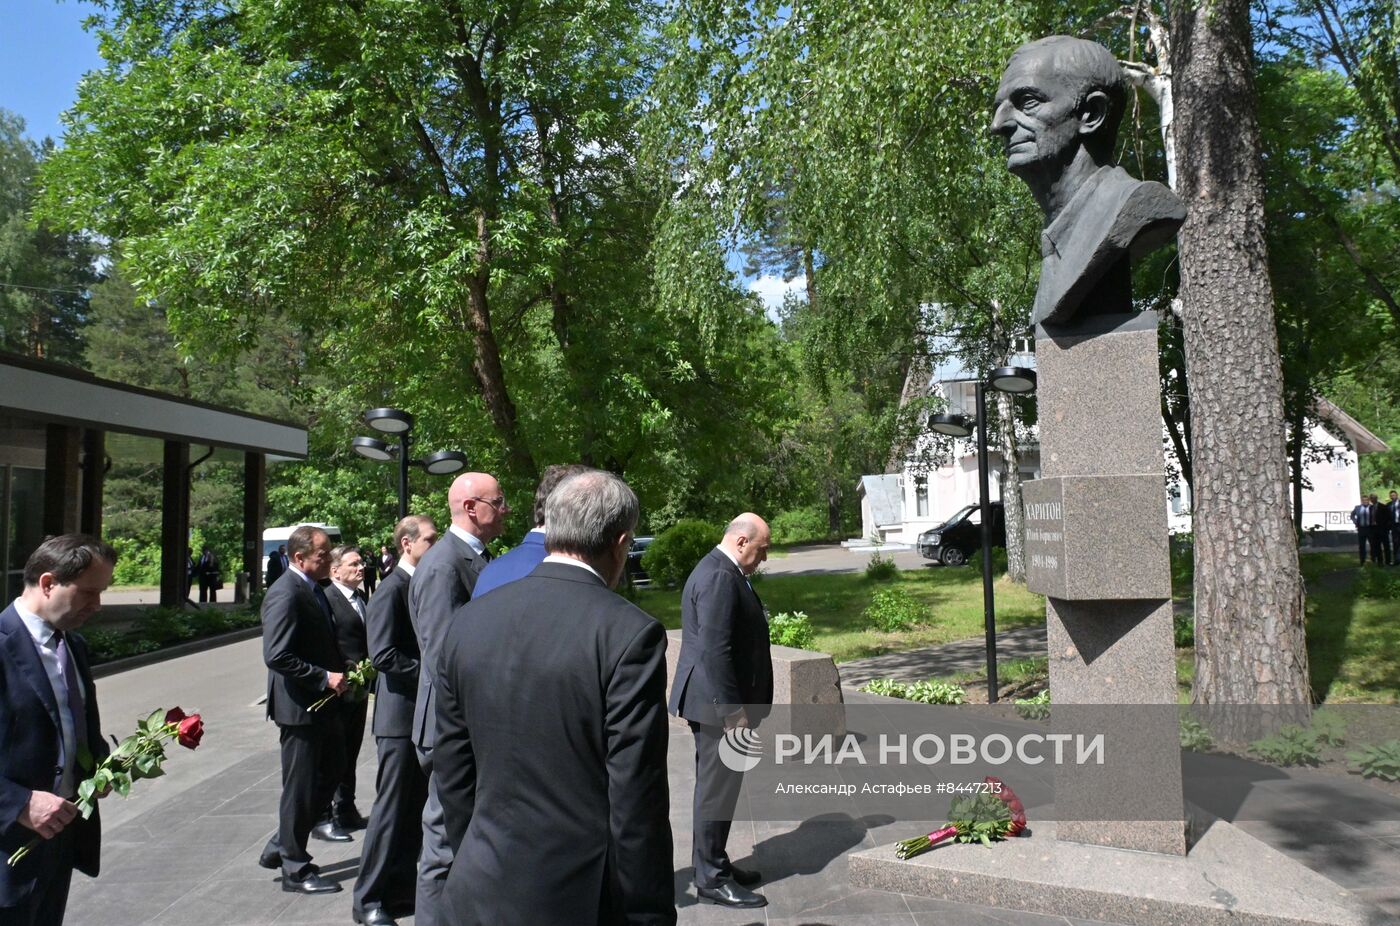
(898, 506)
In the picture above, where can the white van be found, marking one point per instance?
(275, 537)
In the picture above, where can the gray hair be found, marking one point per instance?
(744, 526)
(339, 553)
(586, 513)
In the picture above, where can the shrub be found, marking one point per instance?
(1184, 630)
(894, 609)
(1381, 761)
(885, 687)
(790, 628)
(1036, 708)
(137, 563)
(931, 692)
(677, 549)
(1195, 736)
(1329, 728)
(1024, 670)
(1291, 745)
(880, 569)
(799, 525)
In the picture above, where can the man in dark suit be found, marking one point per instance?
(209, 578)
(552, 729)
(724, 680)
(276, 565)
(1364, 517)
(1384, 523)
(370, 559)
(444, 581)
(348, 607)
(1394, 508)
(304, 664)
(389, 860)
(525, 556)
(48, 720)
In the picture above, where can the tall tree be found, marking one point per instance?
(1249, 590)
(44, 272)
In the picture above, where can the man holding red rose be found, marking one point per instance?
(304, 661)
(49, 725)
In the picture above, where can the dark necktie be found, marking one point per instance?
(325, 604)
(76, 714)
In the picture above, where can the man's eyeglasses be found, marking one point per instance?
(499, 502)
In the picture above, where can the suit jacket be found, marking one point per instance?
(299, 648)
(1383, 516)
(553, 736)
(517, 564)
(442, 582)
(1356, 515)
(393, 648)
(29, 748)
(350, 633)
(724, 660)
(1111, 216)
(275, 567)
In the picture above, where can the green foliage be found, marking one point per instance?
(1036, 708)
(677, 550)
(885, 687)
(137, 563)
(1291, 745)
(1017, 671)
(1329, 727)
(800, 525)
(1195, 736)
(1382, 761)
(894, 609)
(981, 818)
(1183, 630)
(157, 628)
(934, 692)
(880, 569)
(790, 628)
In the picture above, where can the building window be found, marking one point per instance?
(921, 496)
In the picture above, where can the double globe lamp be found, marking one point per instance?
(396, 422)
(1018, 381)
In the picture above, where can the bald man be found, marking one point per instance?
(444, 581)
(724, 680)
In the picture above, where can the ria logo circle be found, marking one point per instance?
(740, 749)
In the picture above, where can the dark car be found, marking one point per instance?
(635, 573)
(956, 540)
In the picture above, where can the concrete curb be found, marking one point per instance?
(104, 669)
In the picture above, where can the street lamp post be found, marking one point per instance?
(1015, 380)
(394, 421)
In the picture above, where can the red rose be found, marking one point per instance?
(1013, 804)
(174, 715)
(191, 731)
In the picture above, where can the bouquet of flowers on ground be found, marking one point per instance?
(358, 679)
(986, 817)
(138, 756)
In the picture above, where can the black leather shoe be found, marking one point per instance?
(329, 832)
(312, 883)
(350, 819)
(374, 916)
(730, 894)
(270, 859)
(745, 876)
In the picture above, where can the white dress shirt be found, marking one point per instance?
(470, 539)
(47, 647)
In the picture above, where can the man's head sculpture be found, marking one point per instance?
(1057, 110)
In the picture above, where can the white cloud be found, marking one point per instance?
(773, 289)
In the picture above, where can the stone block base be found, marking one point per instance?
(1229, 878)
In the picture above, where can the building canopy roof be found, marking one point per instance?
(52, 392)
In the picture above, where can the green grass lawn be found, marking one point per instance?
(834, 604)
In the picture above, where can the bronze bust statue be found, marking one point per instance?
(1058, 109)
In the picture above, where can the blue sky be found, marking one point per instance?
(43, 52)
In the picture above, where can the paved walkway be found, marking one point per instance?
(183, 848)
(942, 661)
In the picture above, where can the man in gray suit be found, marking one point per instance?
(389, 862)
(442, 582)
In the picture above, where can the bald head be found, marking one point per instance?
(747, 539)
(478, 506)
